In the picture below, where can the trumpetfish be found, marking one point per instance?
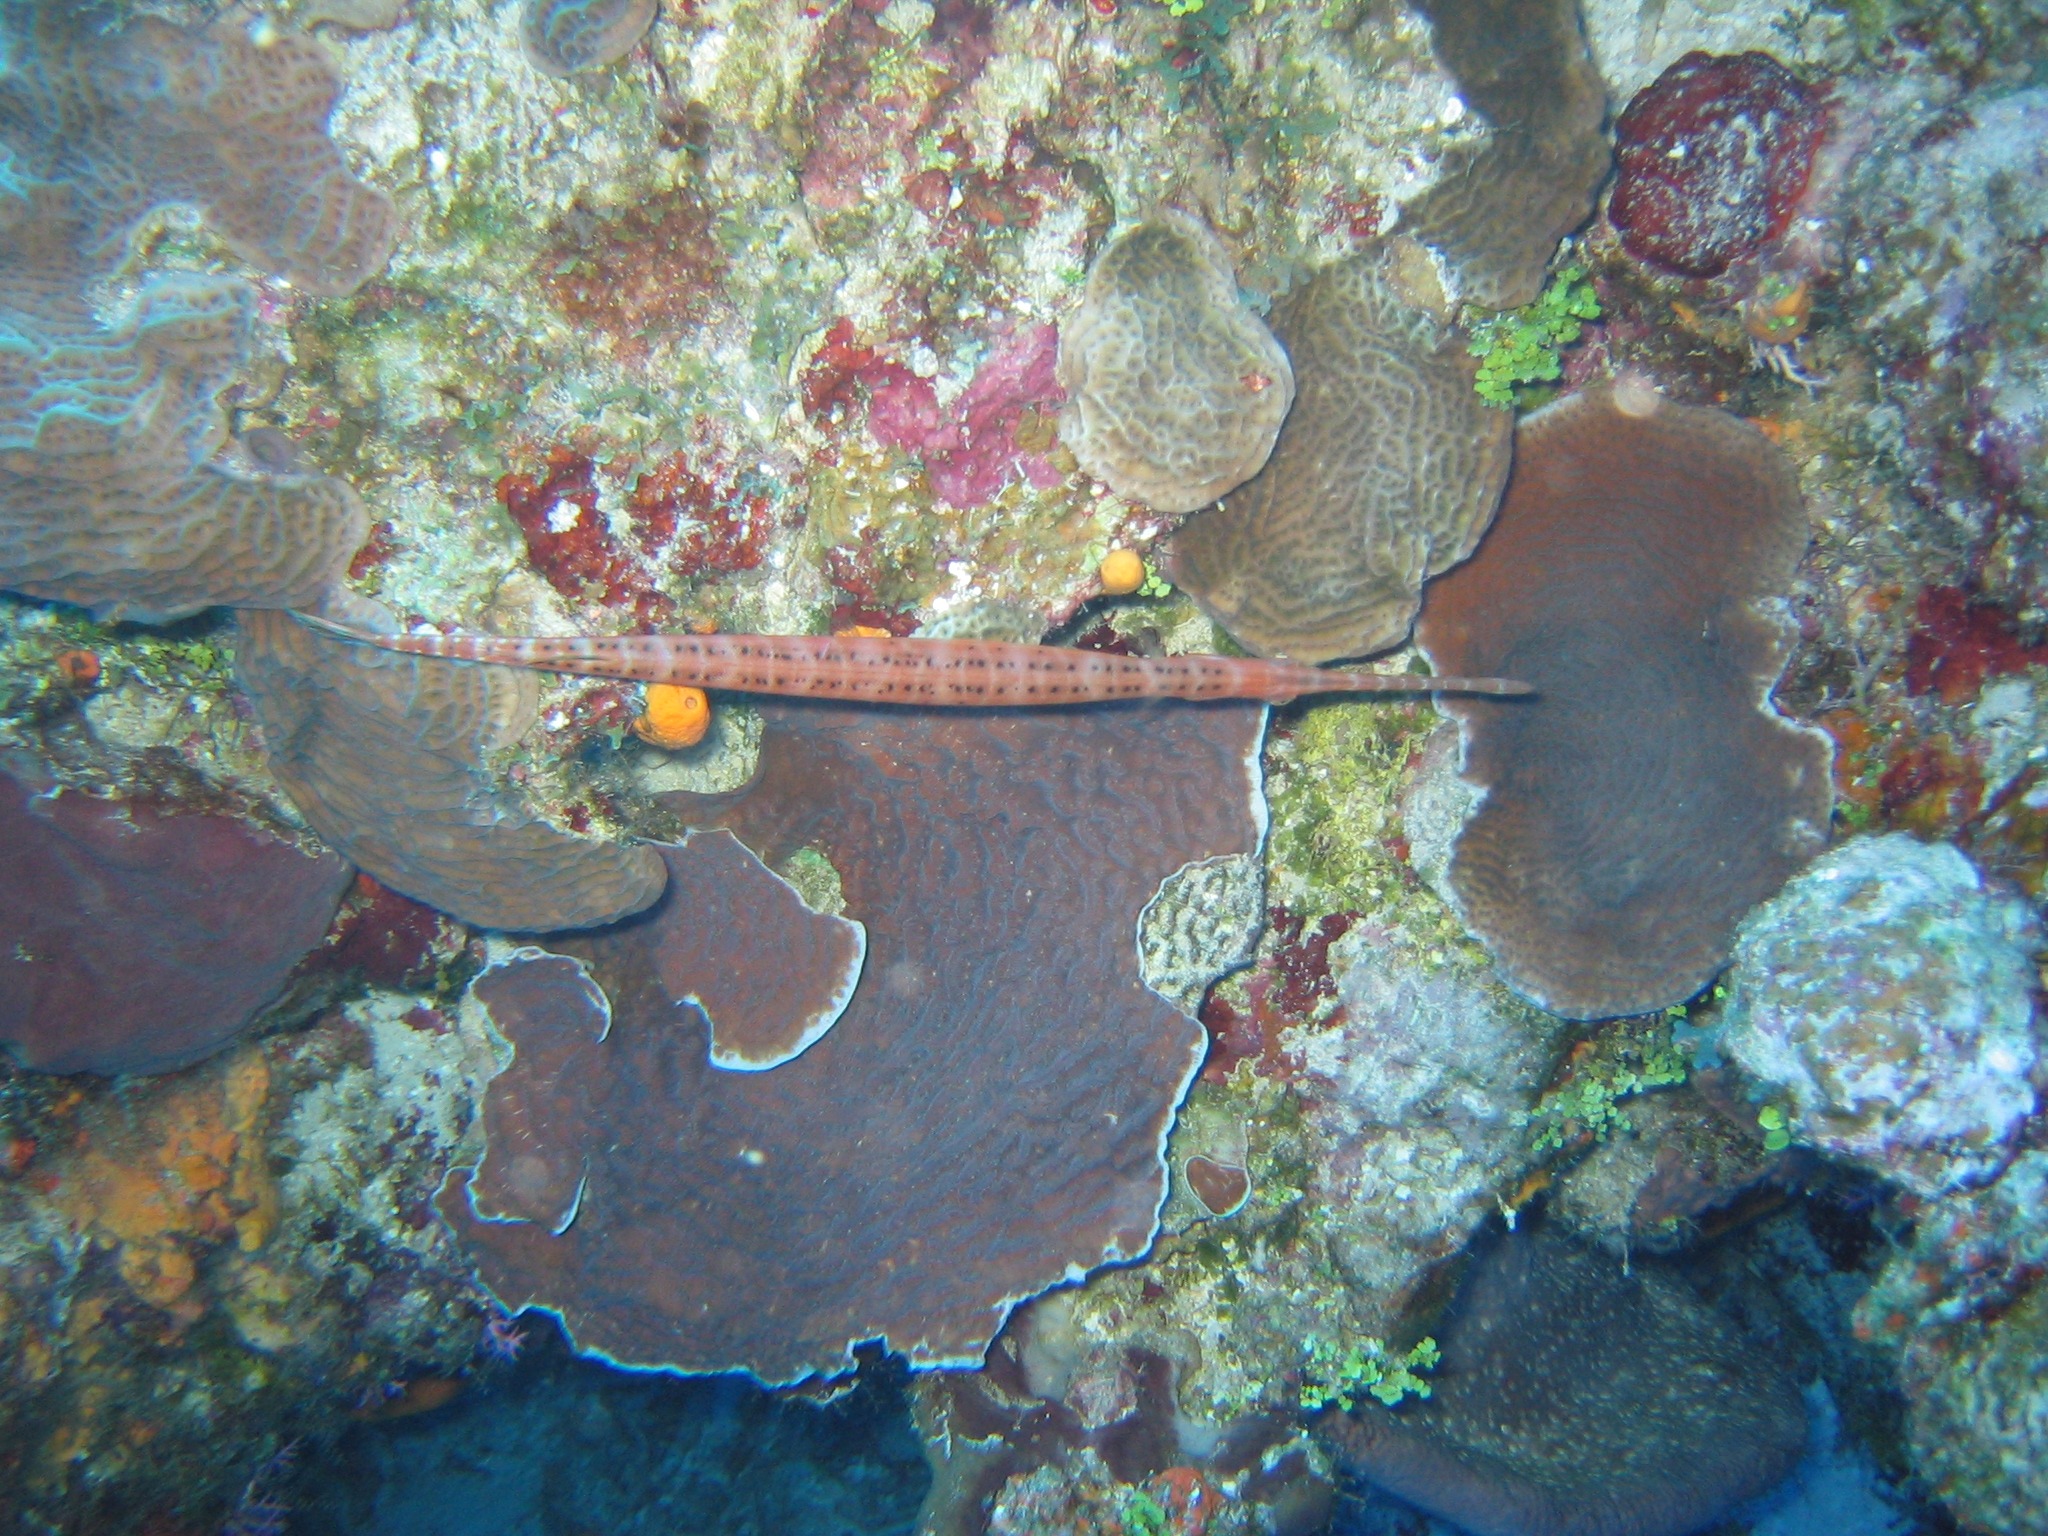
(893, 670)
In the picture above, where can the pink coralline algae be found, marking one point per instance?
(1713, 157)
(986, 1118)
(971, 448)
(138, 940)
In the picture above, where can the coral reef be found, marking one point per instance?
(107, 498)
(1386, 473)
(754, 332)
(139, 938)
(382, 754)
(1175, 391)
(1574, 1399)
(905, 1177)
(205, 1264)
(1501, 204)
(1648, 797)
(1888, 995)
(1711, 161)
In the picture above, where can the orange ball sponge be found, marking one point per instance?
(676, 716)
(1123, 572)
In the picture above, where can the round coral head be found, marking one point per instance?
(675, 717)
(1123, 572)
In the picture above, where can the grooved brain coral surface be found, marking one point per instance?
(560, 37)
(1175, 389)
(1890, 994)
(1386, 473)
(382, 755)
(1647, 796)
(986, 1118)
(1500, 206)
(106, 495)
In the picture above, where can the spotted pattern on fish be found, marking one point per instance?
(889, 670)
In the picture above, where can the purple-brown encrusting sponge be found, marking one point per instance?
(134, 939)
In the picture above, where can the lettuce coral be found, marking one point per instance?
(382, 754)
(107, 496)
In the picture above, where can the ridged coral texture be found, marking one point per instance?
(1386, 473)
(383, 756)
(107, 496)
(1175, 388)
(1500, 206)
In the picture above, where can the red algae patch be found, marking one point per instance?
(986, 1118)
(1712, 158)
(1648, 795)
(137, 940)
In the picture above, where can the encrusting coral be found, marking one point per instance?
(561, 37)
(1573, 1399)
(987, 1116)
(143, 939)
(1499, 206)
(1888, 993)
(107, 497)
(1650, 796)
(1175, 389)
(1386, 473)
(382, 754)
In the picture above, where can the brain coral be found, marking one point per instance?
(1890, 994)
(1500, 206)
(1386, 473)
(1578, 1399)
(1175, 390)
(135, 940)
(1647, 796)
(560, 37)
(986, 1118)
(106, 497)
(381, 755)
